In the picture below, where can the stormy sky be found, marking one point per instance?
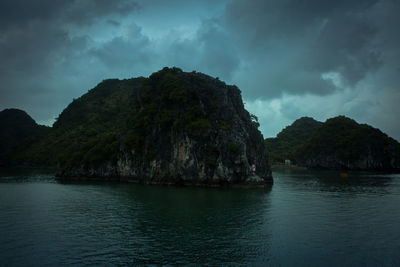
(290, 58)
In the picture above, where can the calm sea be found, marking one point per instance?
(305, 219)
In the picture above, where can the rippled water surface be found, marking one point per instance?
(305, 219)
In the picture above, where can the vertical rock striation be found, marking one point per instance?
(180, 128)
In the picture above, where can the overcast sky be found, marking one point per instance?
(290, 58)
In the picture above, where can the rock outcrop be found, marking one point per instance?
(171, 128)
(286, 144)
(16, 127)
(340, 143)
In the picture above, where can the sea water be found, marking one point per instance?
(305, 219)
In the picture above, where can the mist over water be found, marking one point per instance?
(306, 218)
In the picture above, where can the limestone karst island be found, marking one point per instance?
(171, 128)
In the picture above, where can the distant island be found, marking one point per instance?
(175, 127)
(17, 127)
(340, 143)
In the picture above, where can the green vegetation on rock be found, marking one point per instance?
(339, 143)
(173, 125)
(17, 127)
(290, 139)
(342, 143)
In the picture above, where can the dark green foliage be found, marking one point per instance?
(254, 119)
(290, 139)
(87, 131)
(224, 126)
(166, 118)
(211, 156)
(17, 127)
(340, 139)
(192, 113)
(167, 100)
(125, 115)
(234, 148)
(197, 127)
(349, 142)
(210, 161)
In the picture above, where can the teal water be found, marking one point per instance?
(305, 219)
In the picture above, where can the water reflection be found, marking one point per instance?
(306, 218)
(204, 225)
(328, 220)
(89, 223)
(332, 181)
(26, 175)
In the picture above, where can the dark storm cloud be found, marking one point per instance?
(289, 57)
(288, 16)
(17, 12)
(345, 44)
(212, 51)
(34, 33)
(123, 53)
(318, 58)
(312, 37)
(40, 57)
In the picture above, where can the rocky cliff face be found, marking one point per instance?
(374, 159)
(180, 128)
